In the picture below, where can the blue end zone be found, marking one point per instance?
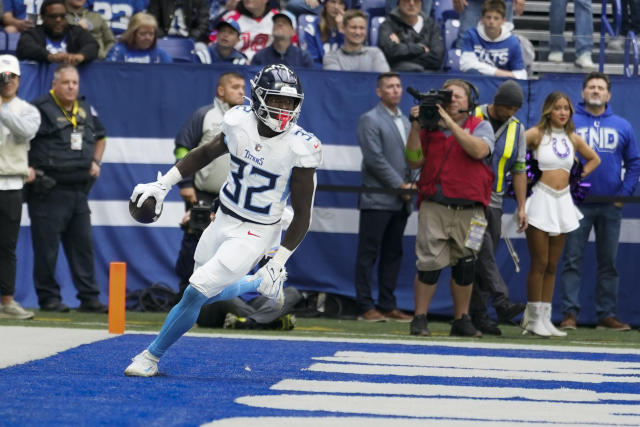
(201, 378)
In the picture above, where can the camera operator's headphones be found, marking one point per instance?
(472, 92)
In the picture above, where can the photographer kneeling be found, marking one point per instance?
(452, 147)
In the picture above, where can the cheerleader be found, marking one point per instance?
(550, 209)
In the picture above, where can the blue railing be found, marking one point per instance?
(606, 28)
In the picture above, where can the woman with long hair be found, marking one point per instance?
(138, 42)
(326, 33)
(550, 209)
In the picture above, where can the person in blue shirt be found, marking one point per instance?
(324, 33)
(138, 43)
(117, 13)
(228, 35)
(20, 15)
(282, 50)
(612, 137)
(490, 48)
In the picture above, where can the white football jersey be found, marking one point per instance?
(257, 186)
(256, 32)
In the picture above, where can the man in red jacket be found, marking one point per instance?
(453, 190)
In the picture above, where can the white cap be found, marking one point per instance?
(9, 63)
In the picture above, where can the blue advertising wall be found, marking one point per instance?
(143, 108)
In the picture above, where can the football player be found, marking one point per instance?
(272, 158)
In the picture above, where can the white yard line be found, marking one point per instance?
(21, 344)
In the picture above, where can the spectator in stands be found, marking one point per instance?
(93, 22)
(282, 50)
(451, 204)
(630, 22)
(325, 34)
(17, 16)
(256, 22)
(410, 40)
(427, 5)
(508, 156)
(138, 43)
(490, 48)
(118, 12)
(184, 18)
(19, 122)
(550, 209)
(471, 12)
(68, 150)
(55, 40)
(582, 32)
(227, 36)
(382, 134)
(299, 7)
(353, 55)
(613, 138)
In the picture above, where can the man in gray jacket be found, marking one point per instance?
(382, 135)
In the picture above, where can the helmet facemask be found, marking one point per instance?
(276, 81)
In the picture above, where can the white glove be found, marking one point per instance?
(273, 276)
(158, 190)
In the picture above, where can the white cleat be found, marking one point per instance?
(144, 365)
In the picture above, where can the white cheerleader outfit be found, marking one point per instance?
(548, 209)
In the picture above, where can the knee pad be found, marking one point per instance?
(429, 277)
(464, 271)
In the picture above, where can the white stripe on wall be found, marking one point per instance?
(160, 151)
(115, 213)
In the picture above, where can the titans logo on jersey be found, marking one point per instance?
(257, 186)
(599, 138)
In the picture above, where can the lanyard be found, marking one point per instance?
(72, 118)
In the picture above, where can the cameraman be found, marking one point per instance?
(19, 121)
(453, 190)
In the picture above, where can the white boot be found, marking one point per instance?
(546, 320)
(534, 322)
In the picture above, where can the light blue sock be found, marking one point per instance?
(242, 286)
(180, 319)
(183, 316)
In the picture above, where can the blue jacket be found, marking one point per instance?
(121, 53)
(613, 139)
(293, 57)
(311, 41)
(235, 57)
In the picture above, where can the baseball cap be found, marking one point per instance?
(231, 23)
(290, 16)
(9, 63)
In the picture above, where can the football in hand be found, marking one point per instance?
(146, 213)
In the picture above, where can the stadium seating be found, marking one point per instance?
(373, 29)
(180, 49)
(373, 7)
(450, 32)
(8, 42)
(443, 10)
(305, 21)
(452, 61)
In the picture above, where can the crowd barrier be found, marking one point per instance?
(143, 108)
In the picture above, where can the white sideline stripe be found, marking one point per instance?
(486, 362)
(360, 387)
(471, 409)
(457, 372)
(160, 151)
(352, 422)
(23, 344)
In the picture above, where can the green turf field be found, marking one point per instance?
(324, 327)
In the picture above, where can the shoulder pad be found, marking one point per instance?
(306, 146)
(237, 115)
